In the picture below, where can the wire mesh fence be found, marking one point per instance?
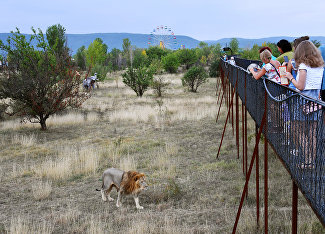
(295, 129)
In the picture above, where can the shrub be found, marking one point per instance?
(194, 77)
(158, 83)
(170, 63)
(214, 68)
(101, 71)
(187, 57)
(138, 79)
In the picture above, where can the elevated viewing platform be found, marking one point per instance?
(293, 125)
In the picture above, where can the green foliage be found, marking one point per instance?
(234, 45)
(80, 58)
(158, 84)
(187, 57)
(101, 71)
(127, 51)
(41, 81)
(140, 58)
(316, 43)
(194, 77)
(155, 52)
(96, 53)
(115, 59)
(56, 38)
(171, 62)
(138, 79)
(214, 68)
(251, 53)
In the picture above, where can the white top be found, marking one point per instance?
(232, 62)
(271, 73)
(314, 76)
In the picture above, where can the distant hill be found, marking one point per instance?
(115, 40)
(248, 43)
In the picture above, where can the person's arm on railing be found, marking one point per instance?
(301, 83)
(258, 74)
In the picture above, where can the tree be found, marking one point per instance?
(234, 45)
(80, 58)
(155, 52)
(214, 68)
(42, 83)
(96, 57)
(96, 53)
(56, 38)
(127, 51)
(194, 77)
(140, 58)
(187, 57)
(170, 62)
(114, 59)
(138, 79)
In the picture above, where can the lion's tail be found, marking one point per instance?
(102, 186)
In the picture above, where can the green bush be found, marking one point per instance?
(101, 71)
(214, 68)
(194, 77)
(138, 79)
(187, 57)
(170, 63)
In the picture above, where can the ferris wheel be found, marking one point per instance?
(164, 37)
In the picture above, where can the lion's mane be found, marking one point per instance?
(130, 182)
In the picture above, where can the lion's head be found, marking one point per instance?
(135, 182)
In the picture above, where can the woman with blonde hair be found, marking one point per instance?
(269, 69)
(308, 82)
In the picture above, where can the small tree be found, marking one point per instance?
(138, 79)
(41, 81)
(194, 77)
(234, 45)
(158, 84)
(170, 62)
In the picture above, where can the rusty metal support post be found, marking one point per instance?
(224, 129)
(249, 173)
(243, 135)
(257, 180)
(245, 129)
(265, 173)
(294, 208)
(237, 118)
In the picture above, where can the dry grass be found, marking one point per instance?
(42, 190)
(19, 225)
(70, 162)
(24, 140)
(173, 140)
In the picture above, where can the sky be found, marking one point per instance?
(202, 20)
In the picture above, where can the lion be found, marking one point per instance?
(128, 183)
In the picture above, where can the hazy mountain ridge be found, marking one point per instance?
(248, 43)
(115, 40)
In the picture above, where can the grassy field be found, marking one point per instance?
(48, 178)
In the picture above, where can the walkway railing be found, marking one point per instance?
(293, 125)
